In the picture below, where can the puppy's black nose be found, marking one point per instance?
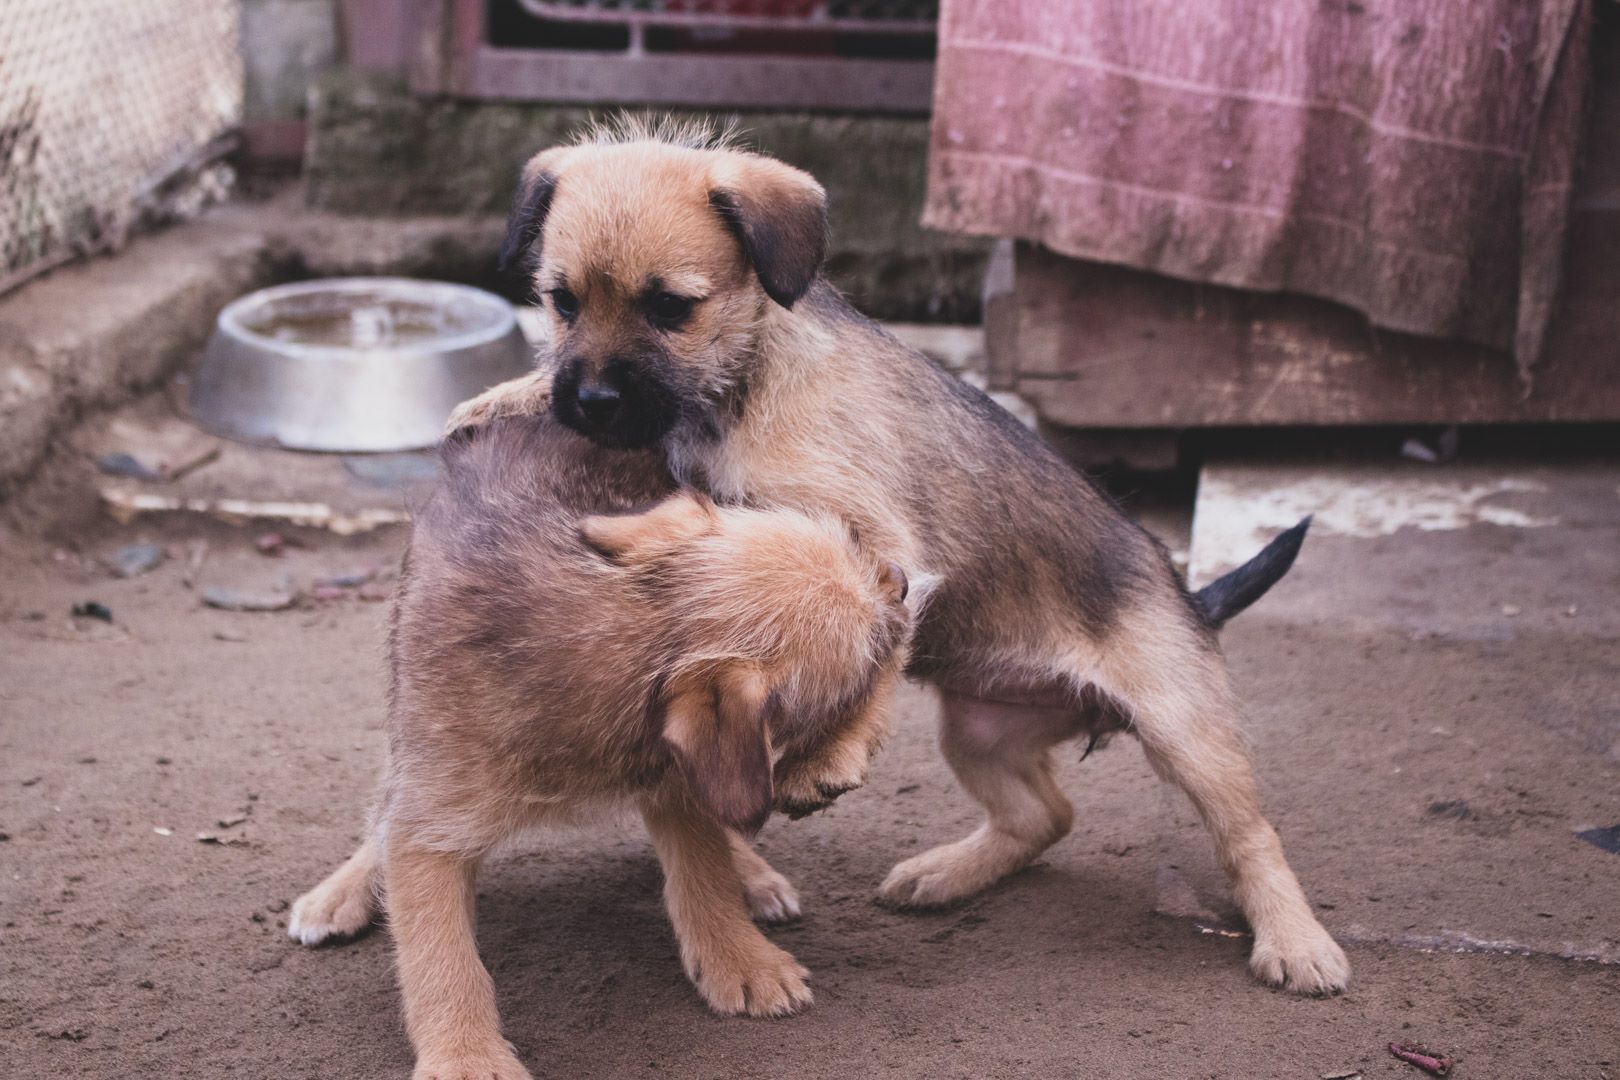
(598, 403)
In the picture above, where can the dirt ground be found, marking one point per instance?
(128, 947)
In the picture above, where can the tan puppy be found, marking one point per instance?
(681, 279)
(702, 663)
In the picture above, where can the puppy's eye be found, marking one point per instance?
(668, 309)
(566, 303)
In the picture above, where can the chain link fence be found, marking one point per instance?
(113, 113)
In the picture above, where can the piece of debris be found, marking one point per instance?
(144, 451)
(132, 560)
(216, 596)
(1571, 611)
(374, 593)
(1433, 1064)
(392, 470)
(329, 592)
(92, 609)
(229, 635)
(194, 562)
(1444, 449)
(351, 580)
(1343, 1074)
(161, 831)
(1456, 809)
(32, 780)
(274, 543)
(232, 821)
(87, 761)
(164, 761)
(1607, 839)
(1510, 610)
(122, 463)
(125, 505)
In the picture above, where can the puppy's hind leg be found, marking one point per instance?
(344, 905)
(1001, 754)
(1175, 684)
(771, 897)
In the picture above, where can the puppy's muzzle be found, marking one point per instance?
(617, 405)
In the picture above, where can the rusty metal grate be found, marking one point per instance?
(112, 113)
(848, 16)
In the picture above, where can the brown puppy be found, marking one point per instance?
(548, 662)
(688, 316)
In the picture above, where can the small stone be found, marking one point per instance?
(164, 761)
(132, 560)
(1510, 610)
(161, 831)
(239, 600)
(92, 609)
(229, 635)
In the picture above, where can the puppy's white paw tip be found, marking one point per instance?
(773, 899)
(1315, 968)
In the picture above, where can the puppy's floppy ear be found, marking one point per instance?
(779, 216)
(715, 729)
(684, 516)
(529, 207)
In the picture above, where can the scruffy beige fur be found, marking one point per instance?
(688, 318)
(702, 663)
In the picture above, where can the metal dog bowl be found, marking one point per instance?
(353, 364)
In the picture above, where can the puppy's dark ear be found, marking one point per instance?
(715, 728)
(779, 216)
(521, 247)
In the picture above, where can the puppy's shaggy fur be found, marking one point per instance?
(553, 655)
(688, 316)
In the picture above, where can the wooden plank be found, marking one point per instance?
(1110, 347)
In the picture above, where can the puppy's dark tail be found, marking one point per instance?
(1231, 593)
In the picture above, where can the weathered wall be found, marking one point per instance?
(286, 45)
(375, 149)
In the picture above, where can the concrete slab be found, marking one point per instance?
(1435, 699)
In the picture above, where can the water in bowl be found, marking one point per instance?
(358, 321)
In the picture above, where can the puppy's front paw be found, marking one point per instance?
(523, 396)
(472, 413)
(339, 908)
(762, 981)
(1306, 961)
(493, 1064)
